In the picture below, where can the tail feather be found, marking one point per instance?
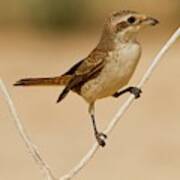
(54, 81)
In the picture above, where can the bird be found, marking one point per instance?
(107, 68)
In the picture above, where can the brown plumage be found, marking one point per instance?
(51, 81)
(107, 68)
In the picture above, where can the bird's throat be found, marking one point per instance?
(125, 37)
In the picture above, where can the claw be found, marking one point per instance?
(103, 135)
(101, 139)
(136, 91)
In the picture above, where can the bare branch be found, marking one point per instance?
(28, 142)
(34, 151)
(124, 107)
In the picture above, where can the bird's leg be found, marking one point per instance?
(100, 137)
(133, 90)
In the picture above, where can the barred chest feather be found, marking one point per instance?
(118, 69)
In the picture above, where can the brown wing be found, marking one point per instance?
(89, 64)
(87, 69)
(73, 69)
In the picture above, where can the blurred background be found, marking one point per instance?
(44, 38)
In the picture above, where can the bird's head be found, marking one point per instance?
(126, 24)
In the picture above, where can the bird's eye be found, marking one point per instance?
(131, 20)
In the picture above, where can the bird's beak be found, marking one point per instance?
(149, 21)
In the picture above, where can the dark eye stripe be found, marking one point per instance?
(122, 25)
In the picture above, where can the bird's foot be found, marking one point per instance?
(100, 137)
(136, 91)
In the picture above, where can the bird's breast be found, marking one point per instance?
(119, 67)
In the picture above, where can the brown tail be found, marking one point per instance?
(54, 81)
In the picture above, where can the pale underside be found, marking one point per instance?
(118, 69)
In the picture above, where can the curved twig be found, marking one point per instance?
(27, 140)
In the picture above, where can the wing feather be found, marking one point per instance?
(84, 71)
